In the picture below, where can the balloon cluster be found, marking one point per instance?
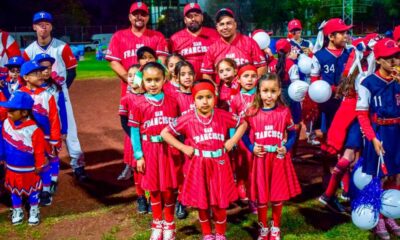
(319, 91)
(369, 200)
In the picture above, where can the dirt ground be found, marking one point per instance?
(95, 104)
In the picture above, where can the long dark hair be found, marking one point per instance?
(180, 65)
(257, 102)
(281, 65)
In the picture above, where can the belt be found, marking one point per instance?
(154, 139)
(385, 121)
(270, 148)
(209, 154)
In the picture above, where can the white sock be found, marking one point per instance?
(46, 189)
(54, 178)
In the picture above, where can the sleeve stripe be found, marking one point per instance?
(74, 66)
(134, 122)
(173, 129)
(108, 57)
(162, 52)
(206, 70)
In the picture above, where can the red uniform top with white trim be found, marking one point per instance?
(242, 49)
(194, 47)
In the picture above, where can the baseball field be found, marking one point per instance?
(104, 208)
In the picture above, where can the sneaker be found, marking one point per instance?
(180, 211)
(80, 174)
(53, 187)
(126, 173)
(332, 204)
(220, 236)
(34, 216)
(253, 207)
(17, 216)
(142, 204)
(45, 198)
(381, 231)
(156, 230)
(169, 231)
(275, 233)
(345, 196)
(209, 237)
(263, 232)
(242, 193)
(393, 227)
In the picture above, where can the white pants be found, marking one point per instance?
(72, 141)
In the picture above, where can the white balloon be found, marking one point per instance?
(391, 203)
(304, 63)
(361, 179)
(262, 38)
(364, 217)
(320, 91)
(297, 90)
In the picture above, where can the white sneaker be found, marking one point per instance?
(17, 216)
(264, 231)
(34, 216)
(157, 230)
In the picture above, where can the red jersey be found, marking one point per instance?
(194, 47)
(203, 136)
(185, 102)
(128, 102)
(268, 127)
(125, 43)
(242, 49)
(153, 116)
(170, 88)
(241, 102)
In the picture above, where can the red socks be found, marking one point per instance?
(338, 172)
(137, 177)
(263, 214)
(204, 219)
(277, 213)
(157, 199)
(219, 221)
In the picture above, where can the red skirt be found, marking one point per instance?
(273, 179)
(128, 152)
(22, 183)
(209, 182)
(161, 164)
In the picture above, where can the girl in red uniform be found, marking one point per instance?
(185, 74)
(209, 182)
(154, 158)
(272, 134)
(172, 86)
(228, 84)
(247, 78)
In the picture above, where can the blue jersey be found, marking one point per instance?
(328, 66)
(298, 46)
(379, 96)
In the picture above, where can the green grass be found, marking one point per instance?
(90, 68)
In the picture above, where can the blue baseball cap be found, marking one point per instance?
(15, 61)
(42, 16)
(31, 66)
(44, 57)
(19, 100)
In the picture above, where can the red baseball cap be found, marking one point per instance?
(294, 24)
(224, 12)
(192, 7)
(396, 33)
(385, 48)
(139, 6)
(335, 25)
(283, 45)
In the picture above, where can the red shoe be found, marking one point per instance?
(169, 231)
(242, 193)
(156, 230)
(381, 231)
(393, 227)
(275, 233)
(264, 231)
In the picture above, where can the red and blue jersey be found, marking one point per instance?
(298, 46)
(328, 65)
(46, 113)
(58, 95)
(22, 146)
